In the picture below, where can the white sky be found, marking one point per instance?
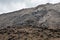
(13, 5)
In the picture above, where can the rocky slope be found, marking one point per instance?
(38, 23)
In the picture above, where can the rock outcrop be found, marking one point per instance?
(38, 23)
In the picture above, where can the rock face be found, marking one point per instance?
(38, 23)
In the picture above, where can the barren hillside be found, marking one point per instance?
(38, 23)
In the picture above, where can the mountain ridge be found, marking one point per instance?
(30, 11)
(37, 23)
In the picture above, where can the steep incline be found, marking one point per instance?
(38, 23)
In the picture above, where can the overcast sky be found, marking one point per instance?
(13, 5)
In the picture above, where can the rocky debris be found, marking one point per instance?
(38, 23)
(29, 33)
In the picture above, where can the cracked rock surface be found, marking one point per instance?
(38, 23)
